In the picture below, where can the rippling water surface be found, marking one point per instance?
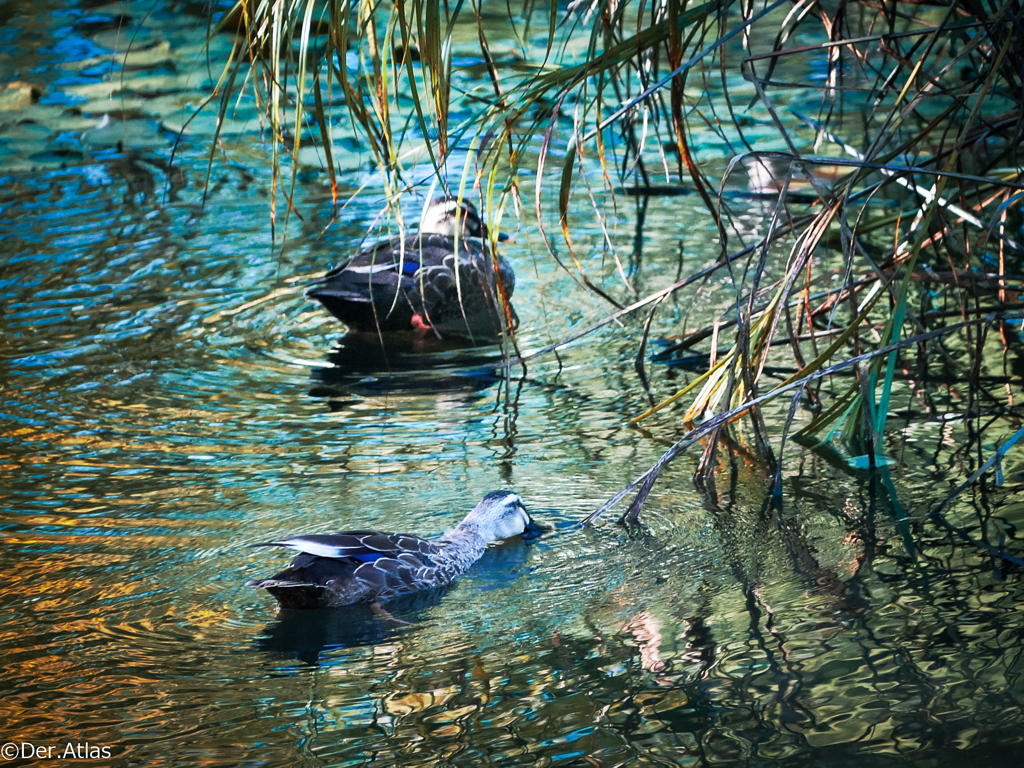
(168, 398)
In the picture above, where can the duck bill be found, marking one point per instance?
(534, 529)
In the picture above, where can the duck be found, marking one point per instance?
(419, 283)
(341, 569)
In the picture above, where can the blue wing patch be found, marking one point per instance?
(369, 557)
(410, 268)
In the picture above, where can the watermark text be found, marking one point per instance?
(72, 750)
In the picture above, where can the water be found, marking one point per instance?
(165, 403)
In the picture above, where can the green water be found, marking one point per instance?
(166, 399)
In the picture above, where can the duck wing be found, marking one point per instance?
(354, 566)
(399, 285)
(360, 546)
(386, 264)
(374, 274)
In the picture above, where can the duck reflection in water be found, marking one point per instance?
(368, 364)
(307, 634)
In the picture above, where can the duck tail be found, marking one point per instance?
(324, 291)
(294, 594)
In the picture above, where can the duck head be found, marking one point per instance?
(501, 515)
(442, 215)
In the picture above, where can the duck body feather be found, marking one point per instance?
(365, 566)
(418, 282)
(370, 566)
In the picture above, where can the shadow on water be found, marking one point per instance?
(306, 635)
(405, 363)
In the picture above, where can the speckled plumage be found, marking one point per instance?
(370, 566)
(436, 290)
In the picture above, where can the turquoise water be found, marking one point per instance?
(168, 399)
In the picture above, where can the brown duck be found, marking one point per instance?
(441, 280)
(371, 567)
